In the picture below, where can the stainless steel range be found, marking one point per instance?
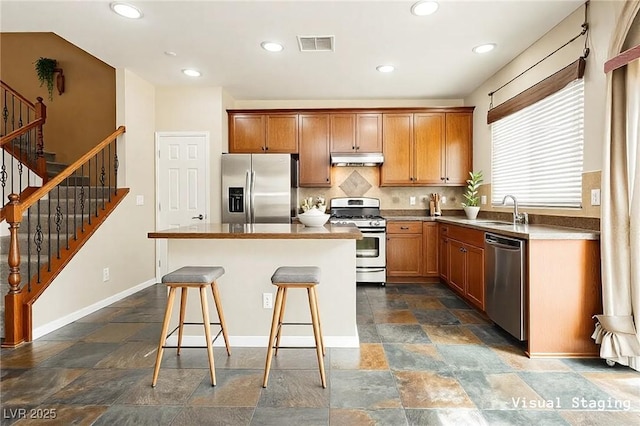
(371, 250)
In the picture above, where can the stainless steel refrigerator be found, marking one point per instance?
(259, 188)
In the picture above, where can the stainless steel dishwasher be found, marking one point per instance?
(504, 281)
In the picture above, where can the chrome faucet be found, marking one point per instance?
(522, 218)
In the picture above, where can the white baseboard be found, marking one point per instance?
(74, 316)
(262, 341)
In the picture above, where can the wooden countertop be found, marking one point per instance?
(260, 231)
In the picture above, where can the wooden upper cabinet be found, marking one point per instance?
(458, 147)
(282, 133)
(397, 130)
(247, 133)
(315, 166)
(356, 133)
(429, 131)
(263, 133)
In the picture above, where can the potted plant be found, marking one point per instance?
(46, 69)
(472, 200)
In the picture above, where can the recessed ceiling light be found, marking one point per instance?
(170, 53)
(191, 72)
(385, 68)
(484, 48)
(271, 46)
(126, 10)
(424, 8)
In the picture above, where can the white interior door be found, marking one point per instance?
(182, 184)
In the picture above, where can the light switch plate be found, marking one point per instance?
(139, 200)
(595, 197)
(412, 201)
(483, 199)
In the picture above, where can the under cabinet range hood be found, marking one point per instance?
(357, 159)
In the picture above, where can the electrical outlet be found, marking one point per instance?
(443, 200)
(595, 197)
(267, 300)
(412, 201)
(139, 200)
(105, 274)
(483, 199)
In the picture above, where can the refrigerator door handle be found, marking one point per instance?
(253, 196)
(247, 197)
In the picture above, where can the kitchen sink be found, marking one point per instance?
(493, 222)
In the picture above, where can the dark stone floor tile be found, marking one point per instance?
(127, 415)
(451, 335)
(467, 316)
(30, 355)
(391, 301)
(402, 333)
(174, 387)
(365, 317)
(103, 315)
(150, 333)
(251, 358)
(414, 357)
(98, 387)
(35, 385)
(594, 365)
(374, 290)
(624, 387)
(392, 316)
(214, 416)
(428, 389)
(140, 315)
(131, 355)
(73, 331)
(437, 290)
(66, 415)
(382, 417)
(472, 357)
(80, 355)
(445, 417)
(601, 418)
(369, 356)
(363, 389)
(523, 417)
(417, 302)
(454, 303)
(502, 391)
(234, 388)
(436, 317)
(296, 359)
(295, 388)
(368, 333)
(571, 390)
(114, 332)
(265, 416)
(492, 335)
(12, 414)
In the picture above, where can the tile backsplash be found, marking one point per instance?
(364, 182)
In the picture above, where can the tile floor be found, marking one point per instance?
(425, 358)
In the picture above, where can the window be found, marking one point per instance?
(537, 151)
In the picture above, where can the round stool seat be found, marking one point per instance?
(194, 274)
(296, 274)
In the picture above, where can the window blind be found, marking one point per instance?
(537, 152)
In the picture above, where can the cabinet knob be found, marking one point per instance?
(445, 178)
(266, 148)
(353, 147)
(442, 179)
(327, 179)
(357, 148)
(461, 250)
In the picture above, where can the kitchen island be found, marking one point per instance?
(250, 253)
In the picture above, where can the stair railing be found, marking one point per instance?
(22, 142)
(56, 228)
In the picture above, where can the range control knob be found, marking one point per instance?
(374, 223)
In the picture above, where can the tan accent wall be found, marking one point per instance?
(85, 113)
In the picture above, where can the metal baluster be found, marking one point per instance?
(20, 166)
(13, 144)
(58, 220)
(82, 198)
(66, 182)
(95, 182)
(115, 176)
(20, 112)
(29, 249)
(5, 114)
(37, 239)
(3, 177)
(109, 156)
(75, 203)
(89, 188)
(49, 231)
(13, 113)
(102, 176)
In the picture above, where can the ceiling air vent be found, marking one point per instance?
(316, 43)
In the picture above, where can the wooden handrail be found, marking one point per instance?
(24, 129)
(43, 190)
(17, 95)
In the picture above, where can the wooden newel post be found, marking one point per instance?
(14, 332)
(41, 112)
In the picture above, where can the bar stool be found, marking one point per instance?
(286, 277)
(185, 278)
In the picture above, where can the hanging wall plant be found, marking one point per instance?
(46, 68)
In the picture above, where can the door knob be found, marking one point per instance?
(200, 216)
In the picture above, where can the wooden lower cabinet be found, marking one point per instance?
(412, 250)
(430, 249)
(462, 262)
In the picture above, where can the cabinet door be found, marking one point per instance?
(404, 255)
(475, 276)
(457, 266)
(282, 133)
(369, 132)
(247, 133)
(314, 150)
(458, 147)
(428, 136)
(443, 259)
(343, 132)
(398, 150)
(430, 249)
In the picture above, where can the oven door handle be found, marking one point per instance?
(365, 269)
(364, 231)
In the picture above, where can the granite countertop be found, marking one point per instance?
(527, 232)
(259, 231)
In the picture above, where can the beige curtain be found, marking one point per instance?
(618, 329)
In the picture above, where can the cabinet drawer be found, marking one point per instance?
(469, 236)
(404, 227)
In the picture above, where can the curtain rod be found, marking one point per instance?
(622, 59)
(585, 52)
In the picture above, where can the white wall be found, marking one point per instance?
(121, 243)
(603, 16)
